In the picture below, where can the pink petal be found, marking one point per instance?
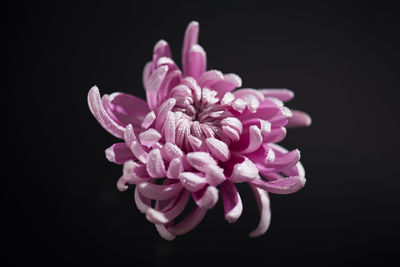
(171, 151)
(146, 73)
(153, 86)
(159, 192)
(190, 39)
(171, 80)
(200, 160)
(97, 109)
(196, 62)
(189, 223)
(142, 203)
(227, 99)
(174, 168)
(299, 119)
(148, 120)
(192, 84)
(163, 112)
(136, 148)
(218, 149)
(155, 164)
(243, 93)
(251, 142)
(206, 198)
(134, 173)
(244, 172)
(156, 217)
(210, 77)
(192, 181)
(231, 133)
(125, 109)
(164, 233)
(282, 186)
(276, 135)
(214, 175)
(239, 105)
(232, 203)
(233, 123)
(265, 211)
(281, 94)
(119, 153)
(150, 137)
(229, 83)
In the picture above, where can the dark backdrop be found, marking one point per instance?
(342, 61)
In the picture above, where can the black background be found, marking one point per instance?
(342, 61)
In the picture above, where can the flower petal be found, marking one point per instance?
(153, 85)
(126, 109)
(299, 119)
(244, 172)
(281, 186)
(218, 149)
(249, 142)
(210, 77)
(155, 164)
(190, 39)
(150, 137)
(229, 83)
(189, 223)
(281, 94)
(148, 119)
(232, 203)
(206, 198)
(164, 233)
(174, 168)
(197, 62)
(200, 160)
(214, 175)
(192, 181)
(119, 153)
(262, 200)
(97, 109)
(159, 192)
(142, 203)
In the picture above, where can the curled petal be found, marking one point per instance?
(227, 99)
(299, 119)
(214, 175)
(163, 112)
(164, 233)
(200, 160)
(190, 39)
(244, 172)
(97, 109)
(119, 153)
(156, 217)
(150, 137)
(206, 198)
(148, 120)
(233, 123)
(155, 164)
(281, 186)
(142, 203)
(243, 93)
(262, 200)
(196, 64)
(159, 192)
(218, 149)
(125, 109)
(134, 173)
(210, 77)
(189, 223)
(254, 141)
(229, 83)
(192, 181)
(174, 168)
(232, 203)
(153, 85)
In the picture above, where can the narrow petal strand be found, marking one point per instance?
(262, 200)
(232, 203)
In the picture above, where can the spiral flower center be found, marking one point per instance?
(193, 118)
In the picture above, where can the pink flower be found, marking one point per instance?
(197, 137)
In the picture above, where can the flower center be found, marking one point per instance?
(193, 115)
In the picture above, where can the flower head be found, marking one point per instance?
(196, 137)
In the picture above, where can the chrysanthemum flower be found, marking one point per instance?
(196, 137)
